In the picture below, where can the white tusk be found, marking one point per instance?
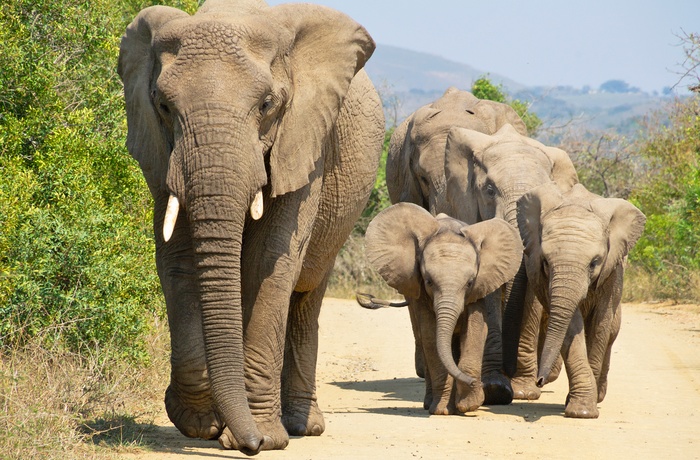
(170, 217)
(256, 207)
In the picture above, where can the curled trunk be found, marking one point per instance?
(447, 315)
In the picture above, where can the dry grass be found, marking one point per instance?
(55, 404)
(642, 286)
(352, 273)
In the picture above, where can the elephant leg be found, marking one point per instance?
(496, 386)
(472, 344)
(301, 415)
(582, 399)
(188, 399)
(524, 381)
(418, 359)
(602, 330)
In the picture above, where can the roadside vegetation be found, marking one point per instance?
(83, 339)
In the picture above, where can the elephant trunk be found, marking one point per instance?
(514, 301)
(216, 200)
(566, 291)
(447, 313)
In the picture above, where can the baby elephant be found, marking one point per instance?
(446, 269)
(575, 246)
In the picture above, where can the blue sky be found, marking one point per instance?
(540, 42)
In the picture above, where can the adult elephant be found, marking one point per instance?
(259, 136)
(486, 175)
(415, 173)
(576, 244)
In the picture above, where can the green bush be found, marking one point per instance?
(670, 198)
(76, 253)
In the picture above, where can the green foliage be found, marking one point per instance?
(670, 198)
(483, 88)
(379, 197)
(76, 256)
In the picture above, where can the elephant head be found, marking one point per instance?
(486, 175)
(574, 241)
(416, 160)
(451, 263)
(223, 107)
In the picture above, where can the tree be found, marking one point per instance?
(483, 88)
(615, 86)
(76, 249)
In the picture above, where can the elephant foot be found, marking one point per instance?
(194, 422)
(497, 389)
(275, 437)
(469, 398)
(525, 388)
(580, 409)
(442, 407)
(602, 390)
(305, 421)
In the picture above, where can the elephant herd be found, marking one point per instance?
(506, 262)
(259, 135)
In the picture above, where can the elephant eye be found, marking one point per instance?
(594, 263)
(266, 105)
(545, 267)
(490, 189)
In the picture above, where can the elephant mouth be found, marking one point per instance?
(173, 209)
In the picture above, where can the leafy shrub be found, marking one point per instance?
(76, 257)
(670, 198)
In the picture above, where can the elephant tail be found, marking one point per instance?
(369, 301)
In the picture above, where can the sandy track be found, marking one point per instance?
(373, 401)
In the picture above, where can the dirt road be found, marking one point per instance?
(373, 401)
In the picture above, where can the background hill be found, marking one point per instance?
(409, 79)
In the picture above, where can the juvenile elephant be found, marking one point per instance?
(415, 173)
(259, 136)
(486, 175)
(576, 244)
(445, 269)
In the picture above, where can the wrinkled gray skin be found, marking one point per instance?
(446, 269)
(415, 173)
(238, 99)
(486, 175)
(576, 244)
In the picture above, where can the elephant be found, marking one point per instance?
(485, 176)
(446, 269)
(576, 245)
(415, 173)
(259, 134)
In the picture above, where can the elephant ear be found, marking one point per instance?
(328, 49)
(137, 68)
(462, 152)
(500, 252)
(393, 242)
(400, 182)
(531, 207)
(625, 224)
(563, 170)
(496, 115)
